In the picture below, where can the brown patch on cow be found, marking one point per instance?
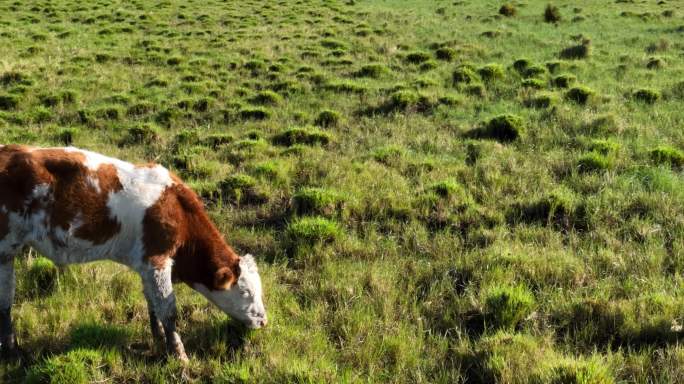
(108, 178)
(73, 196)
(20, 173)
(98, 225)
(224, 278)
(178, 227)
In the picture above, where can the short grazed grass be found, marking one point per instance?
(435, 191)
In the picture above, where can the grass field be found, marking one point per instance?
(435, 191)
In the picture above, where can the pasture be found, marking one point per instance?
(435, 191)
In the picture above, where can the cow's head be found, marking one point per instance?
(240, 298)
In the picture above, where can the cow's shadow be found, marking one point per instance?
(202, 339)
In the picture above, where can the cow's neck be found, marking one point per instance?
(202, 250)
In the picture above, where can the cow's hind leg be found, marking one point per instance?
(8, 341)
(159, 292)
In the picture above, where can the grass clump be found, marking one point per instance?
(428, 65)
(66, 135)
(417, 57)
(316, 201)
(655, 63)
(564, 80)
(604, 147)
(333, 44)
(503, 128)
(580, 94)
(665, 155)
(216, 140)
(648, 96)
(374, 71)
(144, 133)
(521, 64)
(14, 77)
(140, 109)
(577, 372)
(308, 136)
(508, 10)
(269, 170)
(389, 155)
(446, 54)
(594, 162)
(533, 83)
(541, 100)
(346, 86)
(254, 113)
(266, 98)
(534, 71)
(552, 14)
(54, 99)
(310, 230)
(506, 307)
(464, 74)
(504, 357)
(327, 118)
(42, 277)
(242, 188)
(447, 189)
(491, 72)
(8, 102)
(576, 52)
(112, 112)
(402, 100)
(40, 114)
(560, 208)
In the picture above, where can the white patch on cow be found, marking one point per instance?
(40, 191)
(244, 300)
(162, 278)
(93, 182)
(142, 187)
(158, 288)
(93, 160)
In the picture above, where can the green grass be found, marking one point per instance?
(435, 191)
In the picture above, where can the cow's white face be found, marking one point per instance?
(243, 300)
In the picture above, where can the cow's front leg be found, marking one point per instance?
(8, 341)
(159, 293)
(155, 325)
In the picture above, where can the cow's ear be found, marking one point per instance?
(224, 278)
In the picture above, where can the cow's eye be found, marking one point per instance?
(245, 293)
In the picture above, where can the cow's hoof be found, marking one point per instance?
(179, 353)
(182, 357)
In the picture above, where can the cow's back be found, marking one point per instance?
(74, 205)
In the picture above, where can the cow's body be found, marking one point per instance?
(77, 206)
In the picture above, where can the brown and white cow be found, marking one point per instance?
(77, 206)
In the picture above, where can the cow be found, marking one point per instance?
(76, 206)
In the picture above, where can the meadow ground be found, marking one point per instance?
(436, 191)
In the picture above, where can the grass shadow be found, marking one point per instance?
(94, 335)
